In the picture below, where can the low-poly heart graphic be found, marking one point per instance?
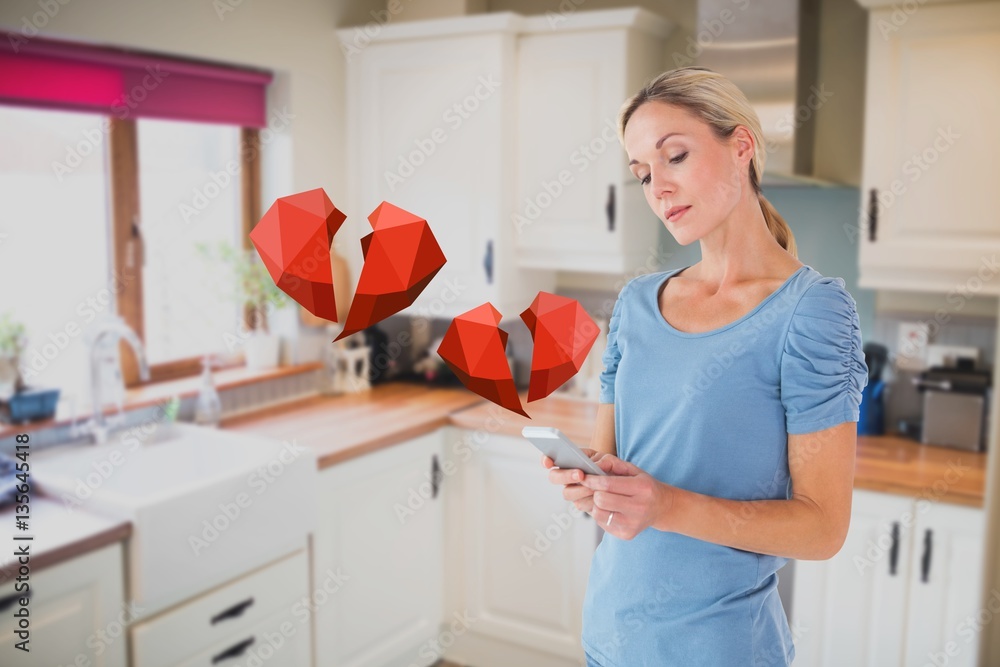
(293, 239)
(401, 257)
(562, 333)
(474, 347)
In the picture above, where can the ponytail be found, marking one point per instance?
(779, 229)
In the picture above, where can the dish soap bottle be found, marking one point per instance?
(208, 407)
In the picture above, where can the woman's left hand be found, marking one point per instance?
(637, 499)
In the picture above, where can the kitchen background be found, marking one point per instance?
(350, 92)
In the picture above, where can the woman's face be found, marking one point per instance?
(682, 165)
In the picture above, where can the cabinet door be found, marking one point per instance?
(527, 552)
(435, 122)
(379, 544)
(944, 624)
(77, 614)
(930, 147)
(850, 609)
(569, 158)
(573, 211)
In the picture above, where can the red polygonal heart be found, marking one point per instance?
(293, 239)
(401, 257)
(562, 333)
(474, 347)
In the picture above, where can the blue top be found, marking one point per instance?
(710, 412)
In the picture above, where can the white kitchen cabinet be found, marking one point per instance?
(930, 208)
(943, 623)
(277, 640)
(578, 207)
(380, 540)
(868, 606)
(520, 555)
(263, 614)
(77, 614)
(431, 129)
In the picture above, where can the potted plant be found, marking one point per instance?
(253, 289)
(13, 341)
(20, 402)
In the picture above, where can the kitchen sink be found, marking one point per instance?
(206, 505)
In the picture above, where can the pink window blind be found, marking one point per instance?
(128, 84)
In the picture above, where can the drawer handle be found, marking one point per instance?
(7, 602)
(894, 549)
(234, 611)
(234, 652)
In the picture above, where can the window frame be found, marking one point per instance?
(127, 242)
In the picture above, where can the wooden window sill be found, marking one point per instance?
(159, 392)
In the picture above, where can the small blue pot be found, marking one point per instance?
(32, 404)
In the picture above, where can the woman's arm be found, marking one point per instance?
(812, 525)
(603, 439)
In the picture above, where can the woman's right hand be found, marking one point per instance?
(570, 478)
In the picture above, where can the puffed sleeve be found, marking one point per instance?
(823, 367)
(611, 352)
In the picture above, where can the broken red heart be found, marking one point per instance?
(401, 256)
(474, 347)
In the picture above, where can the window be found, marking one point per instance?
(54, 238)
(135, 160)
(189, 193)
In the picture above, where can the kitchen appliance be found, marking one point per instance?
(956, 405)
(871, 420)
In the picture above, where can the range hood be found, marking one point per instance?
(801, 63)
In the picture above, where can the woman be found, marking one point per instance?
(727, 401)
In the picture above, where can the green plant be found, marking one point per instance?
(252, 286)
(13, 342)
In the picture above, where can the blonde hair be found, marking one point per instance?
(717, 101)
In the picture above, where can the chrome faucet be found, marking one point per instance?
(115, 327)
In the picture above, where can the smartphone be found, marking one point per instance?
(553, 443)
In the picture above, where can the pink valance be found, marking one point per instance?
(128, 84)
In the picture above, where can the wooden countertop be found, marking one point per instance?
(890, 464)
(391, 413)
(342, 427)
(899, 465)
(60, 533)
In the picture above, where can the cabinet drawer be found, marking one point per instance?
(279, 640)
(217, 616)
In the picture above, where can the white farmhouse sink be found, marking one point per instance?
(206, 505)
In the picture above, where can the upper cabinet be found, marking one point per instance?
(431, 129)
(499, 130)
(578, 207)
(930, 205)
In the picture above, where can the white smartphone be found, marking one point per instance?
(553, 443)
